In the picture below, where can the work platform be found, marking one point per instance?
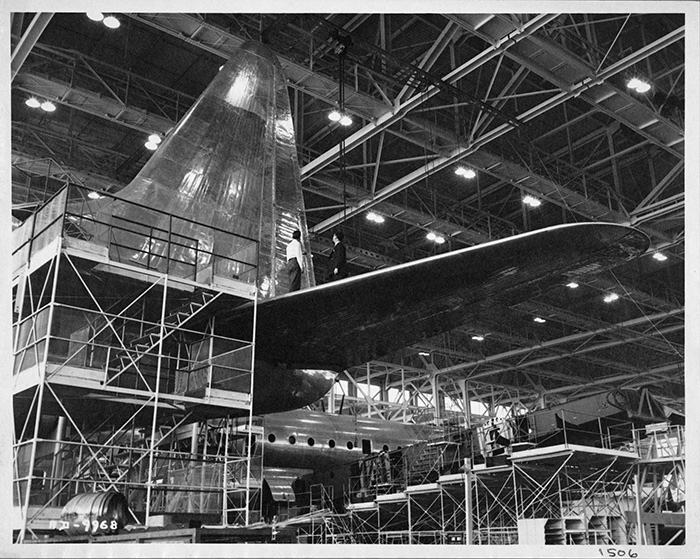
(116, 349)
(564, 494)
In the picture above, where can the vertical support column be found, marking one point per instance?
(352, 394)
(154, 422)
(436, 398)
(331, 399)
(40, 396)
(210, 356)
(466, 403)
(225, 476)
(249, 450)
(194, 446)
(194, 435)
(57, 462)
(641, 534)
(469, 527)
(410, 519)
(368, 396)
(404, 402)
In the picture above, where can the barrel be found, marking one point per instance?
(102, 512)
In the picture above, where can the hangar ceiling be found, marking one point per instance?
(534, 103)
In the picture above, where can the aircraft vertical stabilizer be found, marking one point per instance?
(229, 164)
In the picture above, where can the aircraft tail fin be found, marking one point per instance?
(230, 174)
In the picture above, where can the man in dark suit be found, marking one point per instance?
(338, 258)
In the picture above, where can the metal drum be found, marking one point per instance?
(104, 512)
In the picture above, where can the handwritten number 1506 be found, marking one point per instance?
(613, 552)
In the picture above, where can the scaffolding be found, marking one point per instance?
(561, 493)
(658, 517)
(431, 513)
(571, 495)
(118, 366)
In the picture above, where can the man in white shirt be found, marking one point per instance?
(295, 261)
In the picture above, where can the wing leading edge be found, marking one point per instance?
(361, 318)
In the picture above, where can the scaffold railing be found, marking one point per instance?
(183, 248)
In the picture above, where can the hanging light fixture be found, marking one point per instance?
(46, 105)
(375, 217)
(640, 86)
(153, 141)
(109, 21)
(466, 173)
(437, 239)
(339, 115)
(531, 201)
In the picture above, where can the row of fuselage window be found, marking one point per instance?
(311, 442)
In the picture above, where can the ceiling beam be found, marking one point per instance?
(572, 90)
(551, 344)
(401, 109)
(28, 40)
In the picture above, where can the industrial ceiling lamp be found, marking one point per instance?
(640, 86)
(437, 239)
(153, 141)
(111, 22)
(531, 201)
(45, 105)
(339, 115)
(466, 173)
(48, 106)
(375, 217)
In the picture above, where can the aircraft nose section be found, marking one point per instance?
(280, 389)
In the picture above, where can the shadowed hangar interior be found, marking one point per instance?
(511, 192)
